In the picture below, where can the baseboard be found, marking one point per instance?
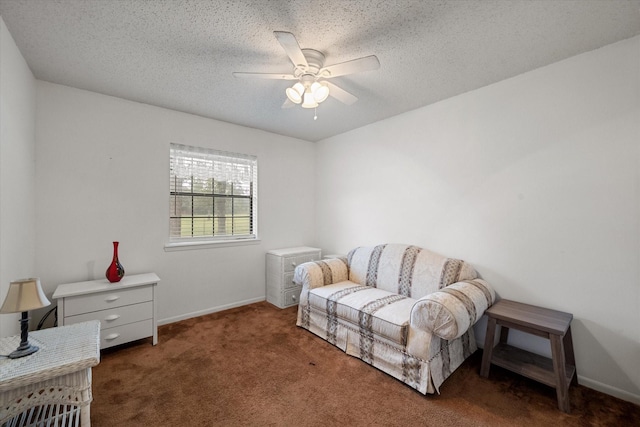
(607, 389)
(208, 311)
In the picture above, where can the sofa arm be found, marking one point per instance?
(451, 311)
(321, 273)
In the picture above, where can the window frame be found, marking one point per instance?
(191, 159)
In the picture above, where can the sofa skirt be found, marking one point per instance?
(424, 375)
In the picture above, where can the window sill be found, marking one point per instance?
(188, 246)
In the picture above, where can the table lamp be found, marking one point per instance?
(24, 295)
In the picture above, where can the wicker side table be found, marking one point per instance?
(53, 385)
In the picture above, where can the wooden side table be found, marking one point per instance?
(53, 385)
(558, 372)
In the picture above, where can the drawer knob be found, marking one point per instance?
(293, 298)
(112, 317)
(112, 336)
(293, 264)
(112, 298)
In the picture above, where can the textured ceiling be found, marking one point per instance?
(181, 54)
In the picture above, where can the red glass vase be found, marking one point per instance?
(115, 272)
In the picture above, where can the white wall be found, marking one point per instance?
(534, 180)
(17, 171)
(103, 176)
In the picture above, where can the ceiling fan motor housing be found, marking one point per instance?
(315, 61)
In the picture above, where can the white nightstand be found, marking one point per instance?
(281, 290)
(126, 309)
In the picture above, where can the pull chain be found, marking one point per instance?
(315, 113)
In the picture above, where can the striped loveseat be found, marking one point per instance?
(403, 309)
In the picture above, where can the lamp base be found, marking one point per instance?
(21, 352)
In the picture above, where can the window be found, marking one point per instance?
(213, 195)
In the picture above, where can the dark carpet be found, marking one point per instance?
(251, 366)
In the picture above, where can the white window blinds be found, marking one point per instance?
(213, 194)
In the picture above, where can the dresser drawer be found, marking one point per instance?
(290, 263)
(115, 316)
(125, 333)
(292, 297)
(288, 280)
(105, 300)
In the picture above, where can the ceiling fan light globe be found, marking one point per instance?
(299, 87)
(295, 93)
(320, 92)
(309, 101)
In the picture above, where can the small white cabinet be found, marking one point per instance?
(126, 309)
(281, 290)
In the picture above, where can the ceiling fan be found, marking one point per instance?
(312, 86)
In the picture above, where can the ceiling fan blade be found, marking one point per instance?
(366, 63)
(341, 94)
(273, 76)
(291, 47)
(288, 104)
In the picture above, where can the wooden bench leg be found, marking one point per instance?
(569, 354)
(559, 367)
(504, 334)
(488, 348)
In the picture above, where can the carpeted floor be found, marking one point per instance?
(251, 366)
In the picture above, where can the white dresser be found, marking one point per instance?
(126, 309)
(281, 290)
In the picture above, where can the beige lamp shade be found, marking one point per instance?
(24, 295)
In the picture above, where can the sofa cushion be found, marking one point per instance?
(368, 309)
(406, 270)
